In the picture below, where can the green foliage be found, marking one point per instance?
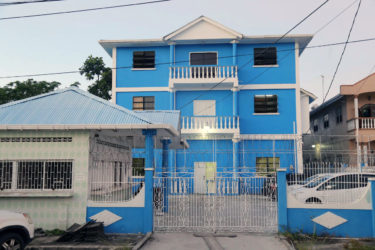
(54, 232)
(75, 84)
(20, 90)
(94, 68)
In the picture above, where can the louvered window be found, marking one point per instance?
(143, 59)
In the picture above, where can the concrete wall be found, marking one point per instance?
(50, 209)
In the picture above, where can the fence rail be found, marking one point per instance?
(206, 123)
(109, 192)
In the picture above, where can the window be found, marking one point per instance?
(316, 125)
(326, 121)
(203, 58)
(338, 115)
(6, 169)
(204, 108)
(265, 56)
(36, 175)
(143, 59)
(344, 182)
(367, 110)
(138, 166)
(265, 104)
(267, 165)
(143, 103)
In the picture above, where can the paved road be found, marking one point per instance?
(176, 241)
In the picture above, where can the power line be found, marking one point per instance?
(27, 2)
(183, 61)
(343, 51)
(83, 10)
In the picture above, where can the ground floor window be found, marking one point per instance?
(36, 174)
(267, 165)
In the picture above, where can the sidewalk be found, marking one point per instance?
(242, 241)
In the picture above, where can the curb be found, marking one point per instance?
(140, 244)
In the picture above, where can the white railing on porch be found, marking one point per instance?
(203, 72)
(367, 123)
(209, 123)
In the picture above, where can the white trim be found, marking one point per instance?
(267, 136)
(268, 86)
(143, 89)
(199, 19)
(201, 52)
(170, 128)
(149, 169)
(141, 69)
(266, 113)
(266, 66)
(114, 66)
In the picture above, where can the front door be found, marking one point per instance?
(204, 177)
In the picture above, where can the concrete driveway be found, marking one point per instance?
(238, 241)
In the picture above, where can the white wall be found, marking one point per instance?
(305, 113)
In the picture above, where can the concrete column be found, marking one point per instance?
(234, 51)
(372, 182)
(171, 99)
(235, 101)
(282, 200)
(165, 174)
(357, 131)
(149, 174)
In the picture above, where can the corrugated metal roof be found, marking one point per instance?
(67, 106)
(171, 117)
(326, 104)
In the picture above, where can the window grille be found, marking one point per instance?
(143, 59)
(6, 170)
(36, 174)
(36, 139)
(265, 104)
(265, 56)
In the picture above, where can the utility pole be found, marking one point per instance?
(322, 76)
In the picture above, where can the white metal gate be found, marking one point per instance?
(238, 204)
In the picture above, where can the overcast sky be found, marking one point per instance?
(63, 42)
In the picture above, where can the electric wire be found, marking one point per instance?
(83, 10)
(343, 51)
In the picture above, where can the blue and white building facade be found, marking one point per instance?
(239, 96)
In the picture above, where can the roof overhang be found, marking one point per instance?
(366, 85)
(311, 96)
(163, 130)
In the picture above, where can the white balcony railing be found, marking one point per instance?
(209, 124)
(367, 123)
(203, 72)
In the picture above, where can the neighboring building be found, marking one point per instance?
(66, 155)
(239, 96)
(338, 122)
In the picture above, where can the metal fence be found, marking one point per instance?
(242, 204)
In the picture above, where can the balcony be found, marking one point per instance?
(210, 125)
(203, 77)
(364, 123)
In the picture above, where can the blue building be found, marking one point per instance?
(239, 96)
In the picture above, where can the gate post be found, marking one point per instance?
(149, 181)
(372, 181)
(282, 212)
(165, 175)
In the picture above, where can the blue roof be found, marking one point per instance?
(71, 106)
(171, 117)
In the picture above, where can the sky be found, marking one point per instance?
(63, 42)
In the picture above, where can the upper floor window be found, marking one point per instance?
(316, 125)
(265, 104)
(143, 102)
(143, 59)
(203, 58)
(204, 107)
(338, 115)
(265, 56)
(326, 121)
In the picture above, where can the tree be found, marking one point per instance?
(17, 90)
(94, 68)
(75, 84)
